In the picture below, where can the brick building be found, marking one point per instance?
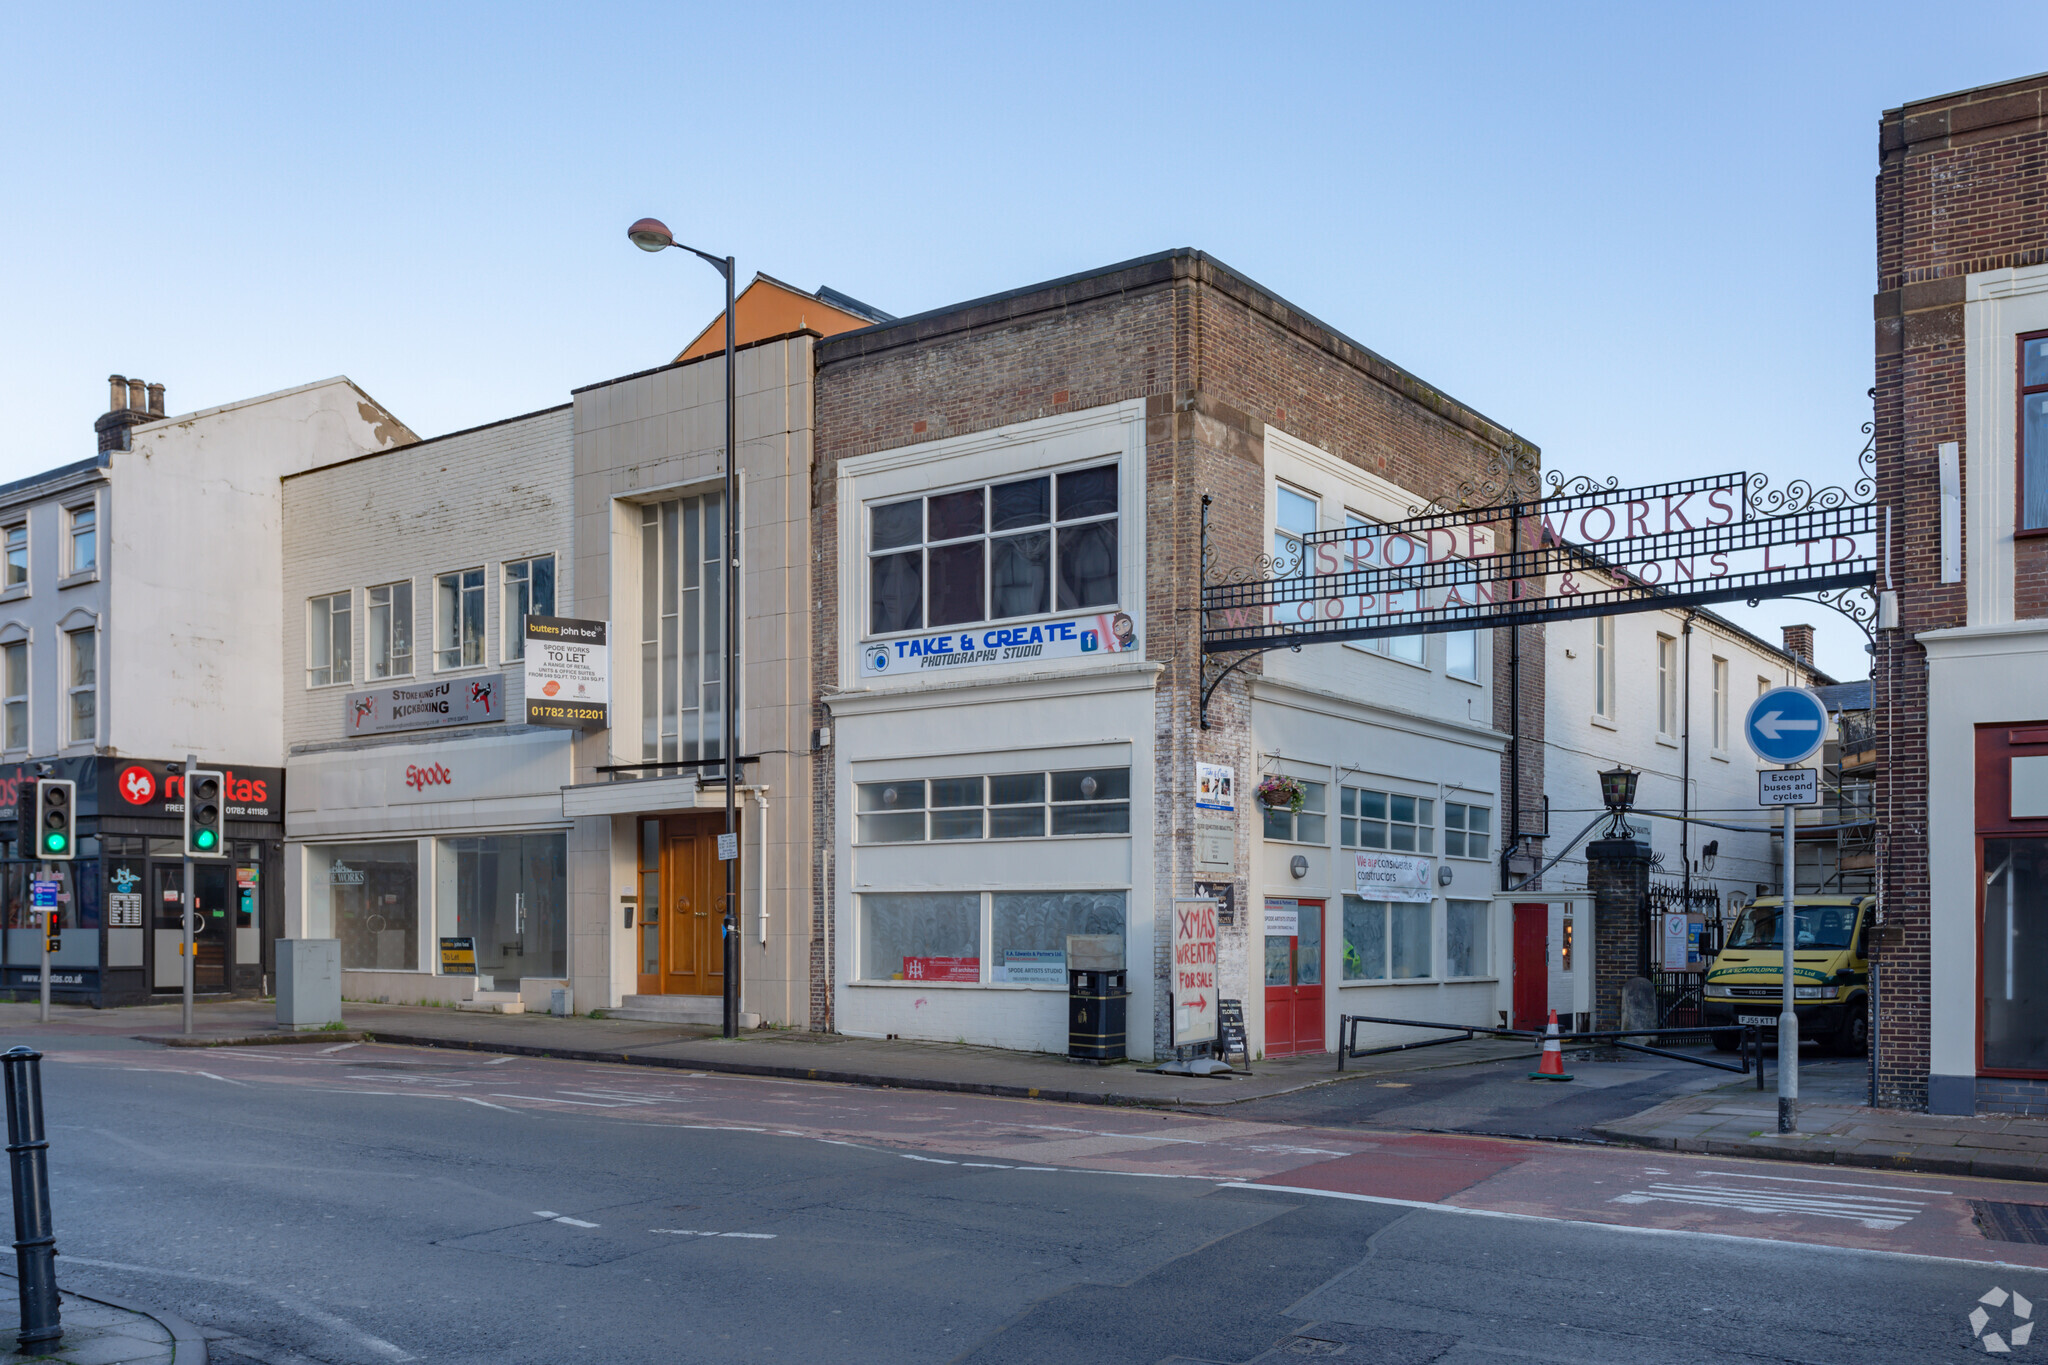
(1009, 497)
(1962, 671)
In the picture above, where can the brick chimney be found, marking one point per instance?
(130, 403)
(1799, 643)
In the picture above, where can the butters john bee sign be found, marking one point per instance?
(568, 673)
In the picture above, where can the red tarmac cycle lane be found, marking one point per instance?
(1773, 1200)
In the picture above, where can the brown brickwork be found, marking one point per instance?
(1960, 188)
(1215, 358)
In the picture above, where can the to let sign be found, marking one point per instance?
(568, 673)
(1194, 972)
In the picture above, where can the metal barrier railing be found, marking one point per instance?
(1752, 1041)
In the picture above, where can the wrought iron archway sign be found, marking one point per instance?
(1584, 550)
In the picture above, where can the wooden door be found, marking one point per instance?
(1294, 977)
(681, 906)
(1532, 966)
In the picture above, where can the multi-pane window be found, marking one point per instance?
(994, 552)
(17, 554)
(1667, 685)
(1466, 925)
(459, 619)
(17, 694)
(1603, 667)
(328, 657)
(529, 591)
(85, 552)
(2033, 442)
(1466, 829)
(931, 936)
(83, 682)
(390, 635)
(1385, 940)
(1720, 703)
(1407, 648)
(1401, 824)
(682, 631)
(1304, 826)
(1001, 806)
(1294, 516)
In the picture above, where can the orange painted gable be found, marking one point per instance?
(769, 308)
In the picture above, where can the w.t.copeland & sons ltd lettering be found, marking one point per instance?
(1114, 633)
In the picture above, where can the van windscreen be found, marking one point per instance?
(1820, 928)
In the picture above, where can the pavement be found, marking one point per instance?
(103, 1332)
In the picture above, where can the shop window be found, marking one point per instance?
(921, 936)
(391, 630)
(328, 640)
(83, 685)
(1401, 824)
(1305, 826)
(1003, 806)
(509, 893)
(2016, 954)
(682, 635)
(1028, 931)
(1466, 829)
(17, 694)
(1466, 934)
(85, 554)
(996, 552)
(529, 591)
(2033, 442)
(1385, 940)
(459, 619)
(17, 555)
(367, 895)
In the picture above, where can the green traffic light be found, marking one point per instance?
(54, 842)
(204, 838)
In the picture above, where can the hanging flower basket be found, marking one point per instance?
(1277, 791)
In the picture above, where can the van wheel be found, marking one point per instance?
(1728, 1040)
(1852, 1039)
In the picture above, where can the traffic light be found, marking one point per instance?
(204, 837)
(56, 818)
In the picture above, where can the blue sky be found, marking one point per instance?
(1639, 235)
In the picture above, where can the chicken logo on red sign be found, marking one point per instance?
(137, 786)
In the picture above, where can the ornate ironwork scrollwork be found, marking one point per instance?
(1857, 605)
(1800, 495)
(1511, 474)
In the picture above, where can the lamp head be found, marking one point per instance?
(650, 234)
(1618, 788)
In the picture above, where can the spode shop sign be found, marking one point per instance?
(1114, 633)
(568, 673)
(458, 701)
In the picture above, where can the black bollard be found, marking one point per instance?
(35, 1244)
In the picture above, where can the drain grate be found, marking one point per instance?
(2012, 1222)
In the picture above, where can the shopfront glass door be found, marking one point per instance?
(1294, 977)
(213, 938)
(510, 895)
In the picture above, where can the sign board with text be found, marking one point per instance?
(1393, 877)
(1787, 787)
(474, 700)
(1194, 972)
(458, 956)
(1082, 637)
(568, 673)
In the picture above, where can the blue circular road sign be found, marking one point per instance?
(1786, 725)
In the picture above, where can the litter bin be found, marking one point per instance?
(1096, 998)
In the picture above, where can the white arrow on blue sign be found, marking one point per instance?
(1787, 725)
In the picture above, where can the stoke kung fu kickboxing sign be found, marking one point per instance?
(1583, 551)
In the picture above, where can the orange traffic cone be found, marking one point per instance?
(1551, 1068)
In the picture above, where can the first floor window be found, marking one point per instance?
(1466, 925)
(682, 630)
(1466, 829)
(17, 694)
(459, 619)
(1603, 667)
(1402, 824)
(328, 640)
(1304, 826)
(1001, 806)
(2033, 442)
(84, 685)
(391, 630)
(1667, 685)
(529, 591)
(938, 935)
(2015, 948)
(1721, 704)
(1461, 654)
(1385, 940)
(368, 896)
(17, 554)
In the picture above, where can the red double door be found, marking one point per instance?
(1294, 977)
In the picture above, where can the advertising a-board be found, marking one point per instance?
(1194, 972)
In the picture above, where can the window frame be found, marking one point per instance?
(1464, 833)
(1395, 647)
(7, 581)
(1432, 972)
(347, 597)
(1052, 526)
(73, 533)
(1321, 794)
(1721, 680)
(1425, 828)
(483, 618)
(74, 689)
(1667, 687)
(2022, 391)
(1484, 909)
(10, 699)
(1048, 803)
(512, 628)
(1604, 708)
(985, 945)
(370, 608)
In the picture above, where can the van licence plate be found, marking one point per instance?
(1760, 1020)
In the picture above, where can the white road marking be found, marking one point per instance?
(500, 1061)
(562, 1218)
(1873, 1212)
(934, 1160)
(550, 1099)
(339, 1047)
(690, 1232)
(1800, 1180)
(211, 1077)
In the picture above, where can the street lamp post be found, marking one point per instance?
(651, 234)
